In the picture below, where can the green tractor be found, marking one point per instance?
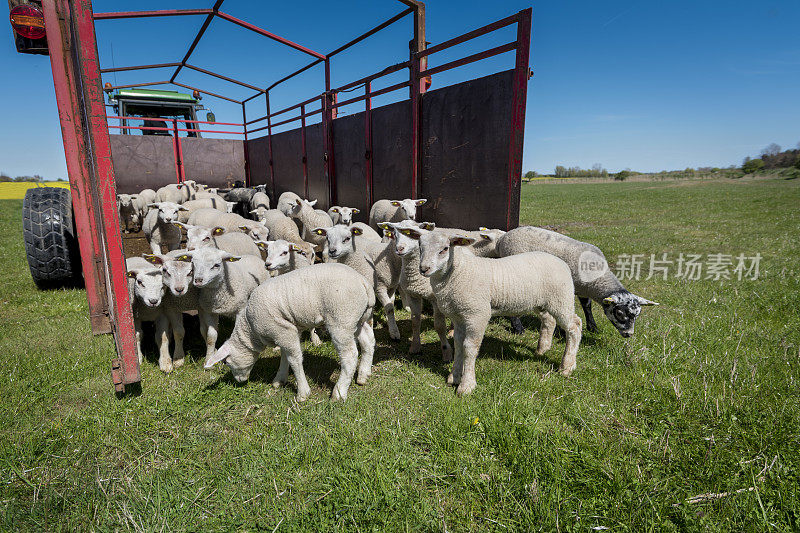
(157, 109)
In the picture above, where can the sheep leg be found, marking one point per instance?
(516, 323)
(440, 325)
(586, 304)
(387, 302)
(572, 326)
(472, 344)
(458, 360)
(366, 341)
(546, 331)
(155, 246)
(315, 340)
(405, 299)
(210, 322)
(178, 333)
(293, 353)
(345, 344)
(283, 371)
(162, 340)
(137, 327)
(416, 320)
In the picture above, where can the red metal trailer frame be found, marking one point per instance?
(85, 130)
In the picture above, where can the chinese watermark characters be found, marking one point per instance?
(690, 267)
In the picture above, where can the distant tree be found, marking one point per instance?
(771, 149)
(5, 177)
(529, 175)
(754, 165)
(797, 163)
(622, 175)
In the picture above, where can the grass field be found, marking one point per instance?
(703, 399)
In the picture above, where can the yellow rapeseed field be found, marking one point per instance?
(16, 191)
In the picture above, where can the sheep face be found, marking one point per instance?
(175, 271)
(148, 285)
(260, 213)
(404, 243)
(256, 230)
(436, 250)
(622, 308)
(207, 263)
(345, 214)
(409, 207)
(199, 236)
(167, 211)
(240, 360)
(279, 254)
(340, 238)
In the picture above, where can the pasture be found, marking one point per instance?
(702, 400)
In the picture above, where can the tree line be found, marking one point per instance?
(772, 157)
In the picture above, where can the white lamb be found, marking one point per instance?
(342, 215)
(259, 199)
(234, 243)
(212, 218)
(328, 294)
(225, 282)
(159, 227)
(215, 202)
(417, 287)
(286, 202)
(393, 211)
(177, 192)
(311, 218)
(373, 260)
(470, 290)
(282, 227)
(145, 290)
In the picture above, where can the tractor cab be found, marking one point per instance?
(157, 112)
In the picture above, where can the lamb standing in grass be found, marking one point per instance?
(470, 290)
(328, 294)
(225, 282)
(145, 290)
(590, 273)
(159, 227)
(373, 260)
(393, 211)
(416, 286)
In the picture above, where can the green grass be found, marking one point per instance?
(703, 399)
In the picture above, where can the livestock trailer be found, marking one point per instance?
(459, 146)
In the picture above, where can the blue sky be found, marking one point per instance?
(627, 84)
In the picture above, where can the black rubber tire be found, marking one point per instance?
(50, 241)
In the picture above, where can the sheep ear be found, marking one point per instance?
(395, 203)
(486, 237)
(645, 301)
(131, 273)
(460, 240)
(154, 258)
(312, 203)
(178, 224)
(356, 211)
(335, 209)
(356, 231)
(182, 208)
(383, 225)
(219, 356)
(296, 248)
(253, 212)
(298, 201)
(262, 245)
(186, 258)
(421, 201)
(483, 228)
(388, 233)
(322, 232)
(610, 300)
(430, 226)
(244, 228)
(232, 259)
(218, 231)
(155, 205)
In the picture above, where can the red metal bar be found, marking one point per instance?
(206, 92)
(419, 44)
(145, 14)
(519, 100)
(391, 88)
(137, 67)
(368, 140)
(470, 35)
(176, 152)
(58, 42)
(226, 78)
(246, 158)
(269, 144)
(373, 31)
(303, 103)
(73, 41)
(508, 47)
(153, 128)
(148, 128)
(416, 125)
(303, 148)
(182, 120)
(265, 33)
(140, 84)
(197, 38)
(293, 74)
(328, 116)
(385, 72)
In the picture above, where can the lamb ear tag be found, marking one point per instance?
(218, 231)
(232, 259)
(396, 204)
(356, 231)
(131, 274)
(608, 300)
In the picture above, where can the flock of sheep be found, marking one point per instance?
(262, 269)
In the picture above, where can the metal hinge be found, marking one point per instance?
(117, 375)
